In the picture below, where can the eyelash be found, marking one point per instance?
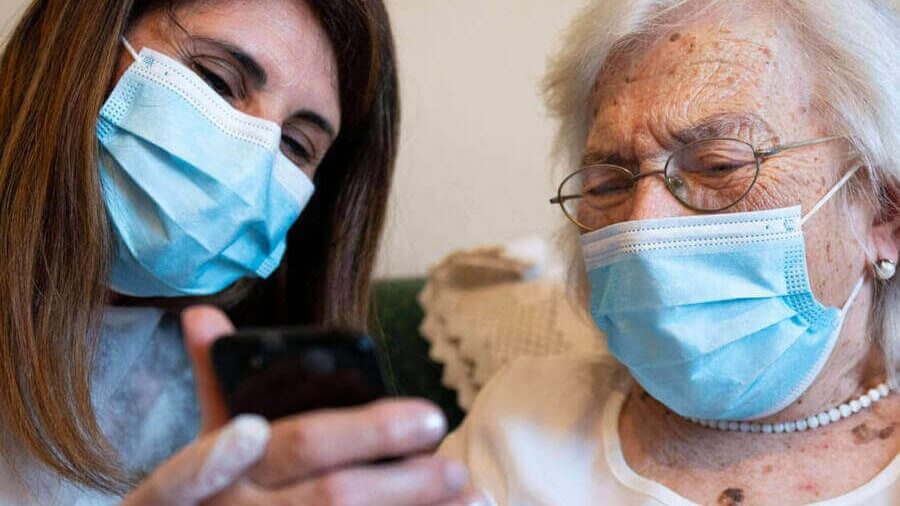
(216, 82)
(297, 149)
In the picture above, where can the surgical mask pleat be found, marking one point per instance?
(713, 314)
(198, 193)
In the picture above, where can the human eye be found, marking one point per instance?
(295, 150)
(717, 157)
(218, 82)
(606, 188)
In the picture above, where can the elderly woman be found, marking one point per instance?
(739, 208)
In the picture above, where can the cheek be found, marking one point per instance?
(786, 184)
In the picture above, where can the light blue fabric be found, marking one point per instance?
(713, 315)
(143, 394)
(198, 193)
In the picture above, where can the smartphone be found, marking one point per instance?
(277, 372)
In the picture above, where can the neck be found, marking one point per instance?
(660, 434)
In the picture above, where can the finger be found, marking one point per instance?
(419, 481)
(312, 443)
(206, 467)
(201, 326)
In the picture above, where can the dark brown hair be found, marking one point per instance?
(55, 72)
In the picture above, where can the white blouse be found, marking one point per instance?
(545, 432)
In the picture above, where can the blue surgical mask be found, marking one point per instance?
(713, 315)
(198, 193)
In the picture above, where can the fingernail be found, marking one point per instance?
(249, 435)
(242, 442)
(433, 426)
(478, 500)
(457, 476)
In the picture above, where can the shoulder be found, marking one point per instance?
(561, 394)
(530, 385)
(534, 412)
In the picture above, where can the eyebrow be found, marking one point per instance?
(723, 125)
(317, 120)
(716, 125)
(251, 67)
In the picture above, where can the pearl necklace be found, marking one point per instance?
(812, 423)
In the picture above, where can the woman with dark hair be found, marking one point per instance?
(156, 154)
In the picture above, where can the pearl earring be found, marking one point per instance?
(885, 269)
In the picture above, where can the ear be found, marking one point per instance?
(886, 230)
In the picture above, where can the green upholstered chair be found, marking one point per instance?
(395, 319)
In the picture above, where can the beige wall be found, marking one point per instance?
(9, 11)
(473, 165)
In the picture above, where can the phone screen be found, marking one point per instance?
(280, 372)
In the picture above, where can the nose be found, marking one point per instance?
(652, 199)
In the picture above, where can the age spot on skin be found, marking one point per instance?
(675, 36)
(886, 432)
(731, 497)
(862, 434)
(810, 488)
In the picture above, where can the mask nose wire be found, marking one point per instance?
(824, 200)
(130, 49)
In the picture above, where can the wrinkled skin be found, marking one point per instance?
(712, 67)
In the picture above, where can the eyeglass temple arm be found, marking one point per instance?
(561, 199)
(765, 153)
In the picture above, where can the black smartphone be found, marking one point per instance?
(276, 372)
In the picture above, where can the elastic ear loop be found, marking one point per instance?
(853, 294)
(130, 49)
(824, 200)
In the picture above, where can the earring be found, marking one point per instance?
(885, 269)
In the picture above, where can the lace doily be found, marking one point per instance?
(488, 306)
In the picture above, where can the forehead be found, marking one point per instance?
(708, 67)
(283, 36)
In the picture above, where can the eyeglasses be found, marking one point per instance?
(708, 175)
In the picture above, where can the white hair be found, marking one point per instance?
(852, 47)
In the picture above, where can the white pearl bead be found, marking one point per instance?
(813, 422)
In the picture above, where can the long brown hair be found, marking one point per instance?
(55, 72)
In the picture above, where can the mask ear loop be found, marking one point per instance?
(824, 200)
(853, 294)
(130, 49)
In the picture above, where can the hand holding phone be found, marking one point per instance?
(313, 458)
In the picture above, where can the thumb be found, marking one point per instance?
(201, 326)
(206, 467)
